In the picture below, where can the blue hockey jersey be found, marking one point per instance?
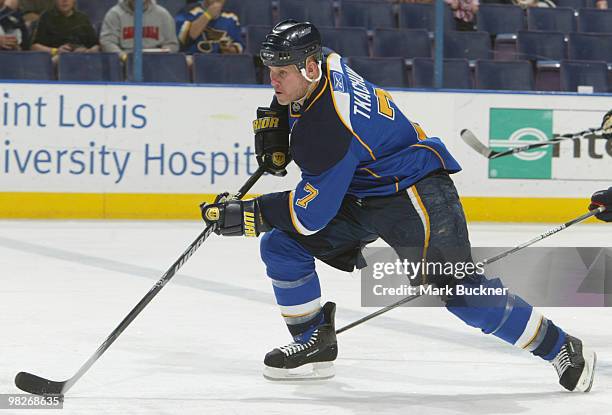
(225, 28)
(349, 137)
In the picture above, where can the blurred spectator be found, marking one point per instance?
(11, 4)
(64, 29)
(601, 4)
(524, 3)
(158, 30)
(32, 9)
(13, 31)
(415, 1)
(464, 12)
(534, 3)
(203, 27)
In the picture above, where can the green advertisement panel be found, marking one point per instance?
(511, 128)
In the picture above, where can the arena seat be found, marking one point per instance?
(254, 36)
(423, 16)
(590, 47)
(96, 10)
(405, 43)
(456, 73)
(103, 67)
(576, 73)
(560, 19)
(541, 45)
(251, 12)
(318, 12)
(500, 19)
(161, 68)
(385, 72)
(467, 45)
(595, 21)
(26, 65)
(347, 41)
(223, 69)
(514, 75)
(368, 14)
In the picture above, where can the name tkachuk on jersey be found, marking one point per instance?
(349, 137)
(362, 99)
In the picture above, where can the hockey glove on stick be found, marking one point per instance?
(602, 198)
(272, 140)
(233, 217)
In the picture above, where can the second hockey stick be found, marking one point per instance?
(471, 140)
(497, 257)
(41, 386)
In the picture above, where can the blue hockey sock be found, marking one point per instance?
(295, 282)
(527, 329)
(508, 317)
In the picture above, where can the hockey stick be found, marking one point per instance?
(486, 261)
(40, 386)
(471, 140)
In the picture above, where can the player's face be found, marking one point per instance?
(288, 83)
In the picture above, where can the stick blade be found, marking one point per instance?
(38, 386)
(470, 139)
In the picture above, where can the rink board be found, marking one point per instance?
(156, 152)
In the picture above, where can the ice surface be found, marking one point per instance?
(198, 347)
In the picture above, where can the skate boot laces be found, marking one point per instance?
(565, 358)
(295, 347)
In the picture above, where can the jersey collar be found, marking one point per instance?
(315, 94)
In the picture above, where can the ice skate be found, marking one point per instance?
(312, 360)
(575, 365)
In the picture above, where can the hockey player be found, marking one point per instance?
(367, 172)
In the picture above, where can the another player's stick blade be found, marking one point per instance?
(471, 140)
(38, 386)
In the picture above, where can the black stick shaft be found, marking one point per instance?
(545, 235)
(377, 313)
(154, 290)
(555, 140)
(486, 261)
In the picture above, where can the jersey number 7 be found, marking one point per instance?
(312, 193)
(384, 103)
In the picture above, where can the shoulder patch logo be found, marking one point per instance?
(338, 81)
(312, 193)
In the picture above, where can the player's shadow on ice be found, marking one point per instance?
(340, 395)
(343, 397)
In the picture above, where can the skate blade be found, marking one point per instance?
(307, 372)
(588, 373)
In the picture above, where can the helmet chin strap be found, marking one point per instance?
(303, 72)
(311, 81)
